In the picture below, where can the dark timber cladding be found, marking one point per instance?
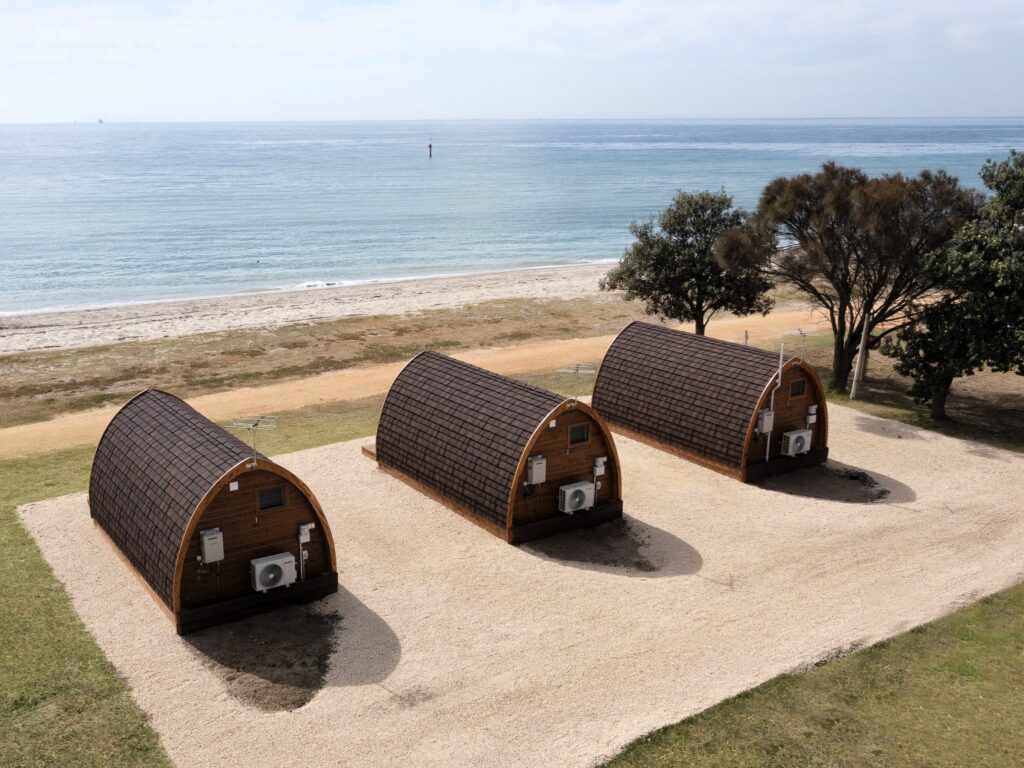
(163, 473)
(701, 398)
(464, 435)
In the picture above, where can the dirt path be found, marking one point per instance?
(85, 427)
(452, 648)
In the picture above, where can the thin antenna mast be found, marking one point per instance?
(576, 369)
(254, 423)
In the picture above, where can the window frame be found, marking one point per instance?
(259, 500)
(803, 388)
(584, 425)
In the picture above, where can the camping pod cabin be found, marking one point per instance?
(214, 530)
(517, 460)
(739, 410)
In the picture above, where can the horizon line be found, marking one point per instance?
(134, 121)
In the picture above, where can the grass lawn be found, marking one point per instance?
(950, 693)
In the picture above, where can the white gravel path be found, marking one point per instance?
(455, 649)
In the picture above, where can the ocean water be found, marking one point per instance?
(94, 214)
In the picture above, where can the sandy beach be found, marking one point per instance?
(133, 322)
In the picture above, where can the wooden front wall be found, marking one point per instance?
(565, 465)
(790, 414)
(248, 534)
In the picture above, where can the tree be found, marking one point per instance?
(979, 321)
(854, 245)
(672, 267)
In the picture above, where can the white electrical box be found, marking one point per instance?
(536, 470)
(812, 415)
(233, 485)
(552, 424)
(211, 545)
(304, 530)
(599, 465)
(765, 421)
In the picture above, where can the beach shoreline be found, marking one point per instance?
(70, 328)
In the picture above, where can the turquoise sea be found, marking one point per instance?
(95, 214)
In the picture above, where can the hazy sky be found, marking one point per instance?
(256, 60)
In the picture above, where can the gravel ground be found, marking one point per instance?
(453, 648)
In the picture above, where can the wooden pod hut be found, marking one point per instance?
(214, 530)
(517, 460)
(739, 410)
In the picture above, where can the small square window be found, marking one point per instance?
(798, 388)
(579, 433)
(271, 497)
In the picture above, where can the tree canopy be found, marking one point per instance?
(855, 245)
(979, 320)
(672, 268)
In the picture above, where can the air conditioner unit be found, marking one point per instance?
(576, 497)
(796, 442)
(272, 571)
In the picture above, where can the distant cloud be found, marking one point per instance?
(513, 58)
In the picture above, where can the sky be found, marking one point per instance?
(454, 59)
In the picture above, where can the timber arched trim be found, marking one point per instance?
(159, 467)
(464, 435)
(700, 398)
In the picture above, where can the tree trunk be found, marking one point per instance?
(939, 397)
(842, 366)
(699, 326)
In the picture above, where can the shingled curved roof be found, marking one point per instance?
(461, 430)
(154, 464)
(686, 390)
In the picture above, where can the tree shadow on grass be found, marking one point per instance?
(835, 481)
(627, 546)
(277, 661)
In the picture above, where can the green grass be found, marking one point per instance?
(317, 425)
(950, 693)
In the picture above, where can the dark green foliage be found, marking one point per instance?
(853, 244)
(672, 267)
(979, 321)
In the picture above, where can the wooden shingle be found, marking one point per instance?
(688, 391)
(155, 462)
(460, 430)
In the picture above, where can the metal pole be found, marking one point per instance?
(858, 370)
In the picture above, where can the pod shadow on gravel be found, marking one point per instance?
(627, 546)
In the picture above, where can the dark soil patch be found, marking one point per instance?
(834, 481)
(274, 661)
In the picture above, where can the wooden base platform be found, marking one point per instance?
(780, 464)
(551, 525)
(192, 619)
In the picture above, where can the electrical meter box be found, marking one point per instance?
(536, 470)
(599, 465)
(211, 545)
(765, 421)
